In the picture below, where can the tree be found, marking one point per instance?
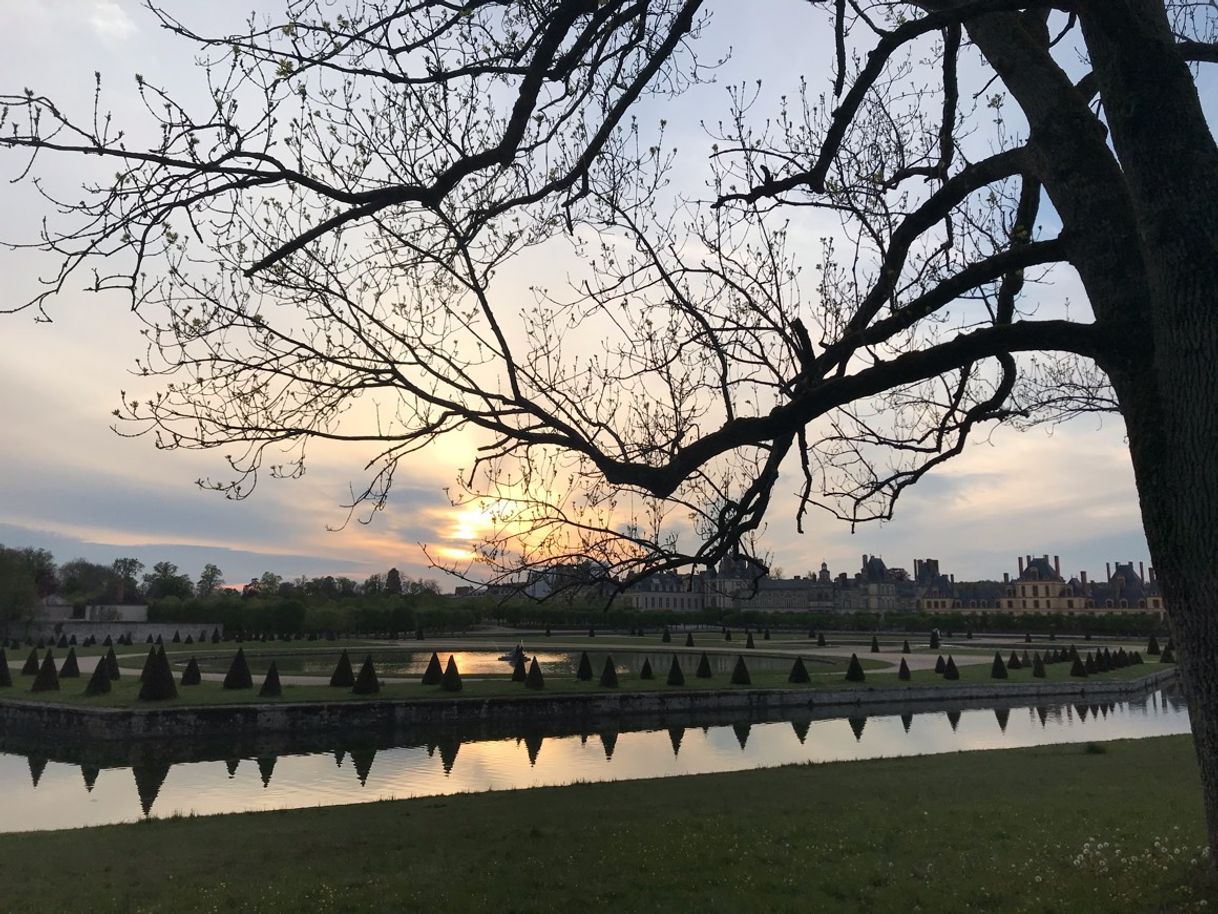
(18, 590)
(393, 582)
(127, 571)
(507, 129)
(166, 581)
(211, 579)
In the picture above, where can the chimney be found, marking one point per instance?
(864, 560)
(953, 580)
(1108, 571)
(1021, 564)
(1006, 577)
(1152, 573)
(1141, 571)
(1082, 576)
(1057, 564)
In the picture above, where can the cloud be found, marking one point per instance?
(111, 21)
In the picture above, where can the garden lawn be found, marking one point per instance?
(1072, 829)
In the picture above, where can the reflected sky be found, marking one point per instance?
(40, 794)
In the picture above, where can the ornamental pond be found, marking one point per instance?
(46, 785)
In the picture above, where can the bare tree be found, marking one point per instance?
(332, 231)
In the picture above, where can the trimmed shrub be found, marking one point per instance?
(903, 672)
(62, 643)
(950, 671)
(70, 668)
(31, 664)
(875, 644)
(704, 669)
(689, 639)
(675, 676)
(905, 647)
(271, 687)
(727, 634)
(968, 634)
(1077, 668)
(189, 639)
(534, 680)
(434, 672)
(854, 672)
(215, 636)
(366, 682)
(666, 637)
(940, 665)
(584, 673)
(765, 635)
(749, 643)
(740, 674)
(148, 661)
(1038, 666)
(998, 670)
(452, 676)
(591, 632)
(159, 685)
(1014, 662)
(191, 675)
(609, 674)
(934, 639)
(6, 677)
(1025, 660)
(99, 682)
(1089, 664)
(111, 662)
(799, 672)
(645, 672)
(519, 673)
(109, 642)
(238, 676)
(343, 676)
(1136, 658)
(160, 641)
(1152, 647)
(1027, 637)
(820, 639)
(177, 638)
(1168, 655)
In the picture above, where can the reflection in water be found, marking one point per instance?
(42, 787)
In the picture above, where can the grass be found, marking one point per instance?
(1052, 829)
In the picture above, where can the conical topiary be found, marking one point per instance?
(1025, 660)
(148, 661)
(875, 645)
(177, 638)
(591, 632)
(111, 662)
(704, 668)
(666, 637)
(1152, 647)
(434, 672)
(749, 641)
(534, 679)
(47, 679)
(1027, 637)
(940, 665)
(854, 672)
(934, 639)
(343, 676)
(99, 682)
(998, 670)
(6, 677)
(519, 673)
(109, 642)
(820, 639)
(740, 673)
(609, 674)
(366, 682)
(452, 676)
(31, 664)
(1168, 655)
(215, 636)
(584, 673)
(645, 671)
(190, 639)
(1089, 664)
(191, 675)
(689, 639)
(1014, 662)
(905, 646)
(238, 676)
(159, 684)
(1038, 666)
(1078, 668)
(799, 672)
(70, 668)
(727, 634)
(949, 670)
(903, 672)
(62, 643)
(271, 687)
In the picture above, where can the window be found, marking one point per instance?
(1069, 604)
(1036, 604)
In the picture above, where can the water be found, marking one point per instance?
(46, 788)
(407, 663)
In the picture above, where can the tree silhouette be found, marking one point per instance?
(283, 270)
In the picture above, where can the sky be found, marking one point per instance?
(70, 484)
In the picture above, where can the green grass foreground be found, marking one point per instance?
(1072, 829)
